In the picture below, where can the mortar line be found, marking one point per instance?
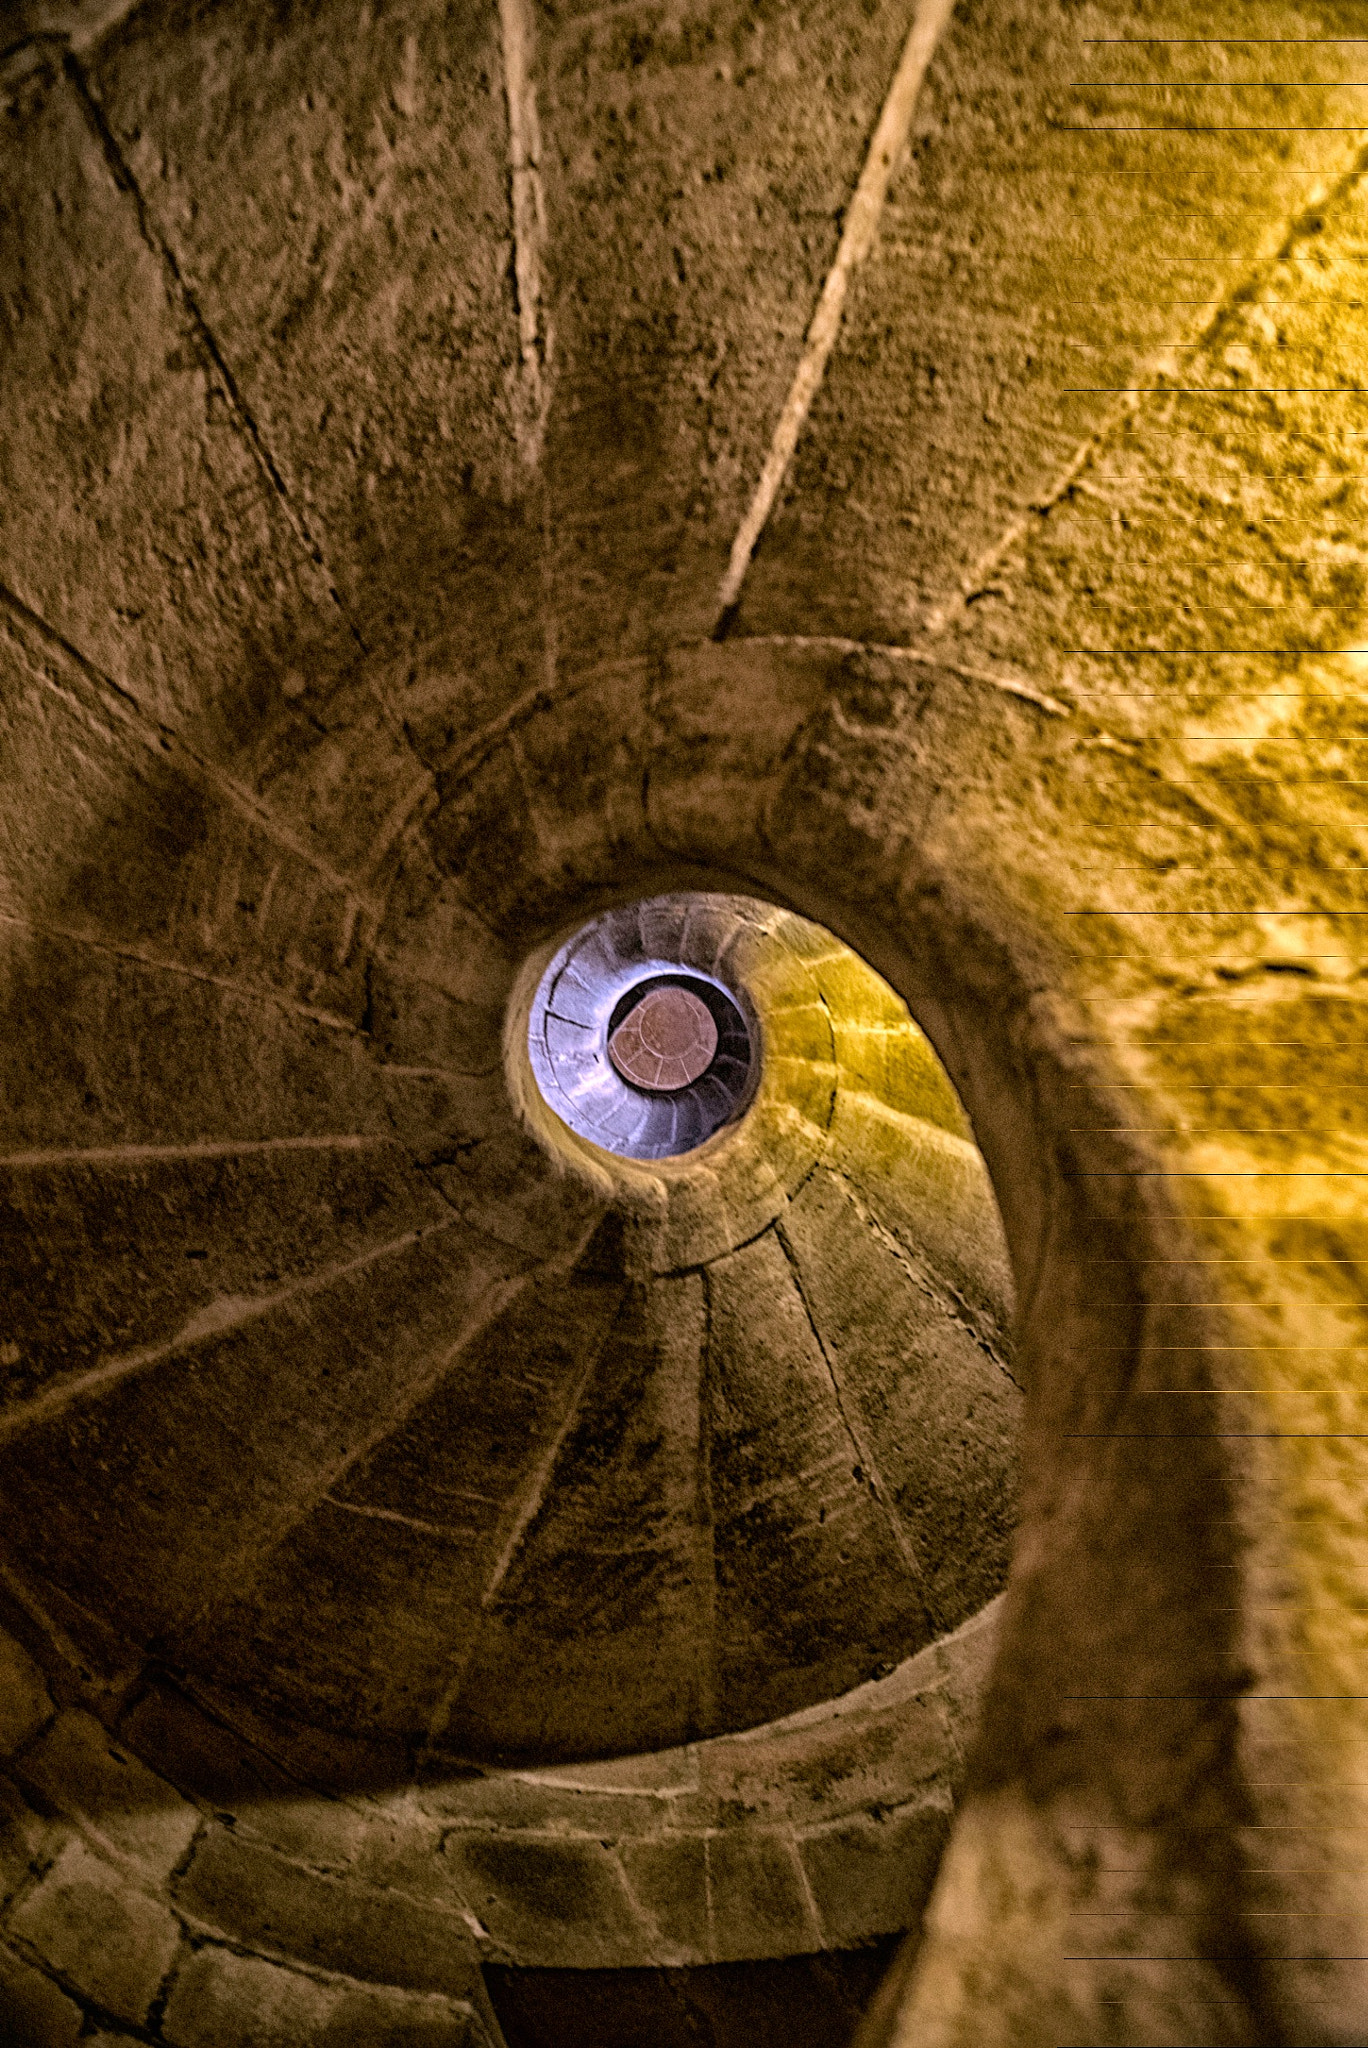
(166, 739)
(924, 657)
(873, 1478)
(55, 1400)
(532, 1496)
(55, 1637)
(857, 237)
(448, 1532)
(527, 214)
(246, 991)
(17, 1945)
(122, 173)
(1130, 407)
(207, 1148)
(943, 1298)
(241, 1572)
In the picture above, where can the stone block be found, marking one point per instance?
(324, 1833)
(401, 1847)
(872, 1874)
(222, 2000)
(760, 1905)
(548, 1901)
(222, 1770)
(256, 1897)
(212, 1764)
(24, 1700)
(109, 1940)
(505, 1801)
(825, 1763)
(79, 1770)
(669, 1880)
(35, 2011)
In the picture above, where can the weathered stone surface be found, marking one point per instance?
(385, 394)
(114, 1943)
(27, 1840)
(668, 1879)
(145, 546)
(80, 1771)
(215, 1379)
(793, 1524)
(873, 1874)
(223, 2000)
(757, 1893)
(607, 1576)
(24, 1700)
(565, 1898)
(932, 1417)
(37, 2012)
(235, 1227)
(260, 1899)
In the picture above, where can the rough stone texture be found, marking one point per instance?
(111, 1943)
(27, 1841)
(813, 1834)
(24, 1701)
(80, 1772)
(385, 388)
(38, 2014)
(223, 2000)
(260, 1900)
(608, 1468)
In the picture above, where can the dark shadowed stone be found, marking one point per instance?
(808, 2002)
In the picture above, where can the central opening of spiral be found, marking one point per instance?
(666, 1041)
(641, 1036)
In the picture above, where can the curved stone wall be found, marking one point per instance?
(464, 471)
(636, 1427)
(212, 1901)
(841, 1490)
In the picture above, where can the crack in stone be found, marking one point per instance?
(948, 1300)
(181, 296)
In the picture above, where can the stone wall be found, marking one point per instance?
(388, 393)
(202, 1903)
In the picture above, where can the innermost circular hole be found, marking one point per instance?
(665, 1042)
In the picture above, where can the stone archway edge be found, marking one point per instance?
(821, 1830)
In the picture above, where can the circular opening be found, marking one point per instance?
(666, 1041)
(635, 1040)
